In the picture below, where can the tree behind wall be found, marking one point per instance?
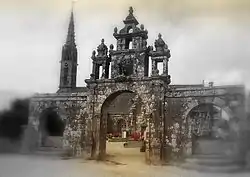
(12, 120)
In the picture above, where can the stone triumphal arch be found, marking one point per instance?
(124, 68)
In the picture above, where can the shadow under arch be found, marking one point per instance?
(208, 128)
(51, 127)
(216, 102)
(104, 117)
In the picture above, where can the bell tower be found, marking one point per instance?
(161, 54)
(68, 61)
(130, 58)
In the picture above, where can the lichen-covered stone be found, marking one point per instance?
(164, 109)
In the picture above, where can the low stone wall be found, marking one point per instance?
(9, 146)
(29, 140)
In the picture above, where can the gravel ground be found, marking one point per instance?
(130, 165)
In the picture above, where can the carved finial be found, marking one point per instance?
(142, 27)
(111, 46)
(93, 53)
(150, 48)
(102, 49)
(92, 76)
(159, 35)
(159, 43)
(131, 10)
(115, 30)
(130, 19)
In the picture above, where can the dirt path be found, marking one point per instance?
(127, 156)
(129, 162)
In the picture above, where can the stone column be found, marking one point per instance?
(135, 65)
(165, 66)
(95, 136)
(102, 132)
(93, 68)
(154, 67)
(113, 70)
(147, 140)
(104, 75)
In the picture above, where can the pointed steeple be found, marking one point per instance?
(69, 59)
(71, 31)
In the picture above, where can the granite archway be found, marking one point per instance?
(51, 128)
(211, 140)
(130, 110)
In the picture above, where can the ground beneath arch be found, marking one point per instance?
(122, 163)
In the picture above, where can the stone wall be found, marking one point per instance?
(180, 101)
(163, 109)
(72, 109)
(103, 92)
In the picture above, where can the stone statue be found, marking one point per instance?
(159, 44)
(102, 49)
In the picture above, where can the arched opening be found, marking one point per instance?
(210, 130)
(149, 66)
(160, 67)
(118, 126)
(121, 124)
(51, 128)
(128, 43)
(129, 29)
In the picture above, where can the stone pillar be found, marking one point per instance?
(88, 136)
(97, 71)
(135, 66)
(104, 75)
(30, 139)
(165, 66)
(95, 136)
(93, 68)
(113, 70)
(102, 132)
(119, 44)
(187, 150)
(154, 68)
(147, 139)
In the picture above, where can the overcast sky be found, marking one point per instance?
(208, 39)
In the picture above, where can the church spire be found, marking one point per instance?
(71, 30)
(68, 71)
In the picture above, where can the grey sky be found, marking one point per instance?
(208, 39)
